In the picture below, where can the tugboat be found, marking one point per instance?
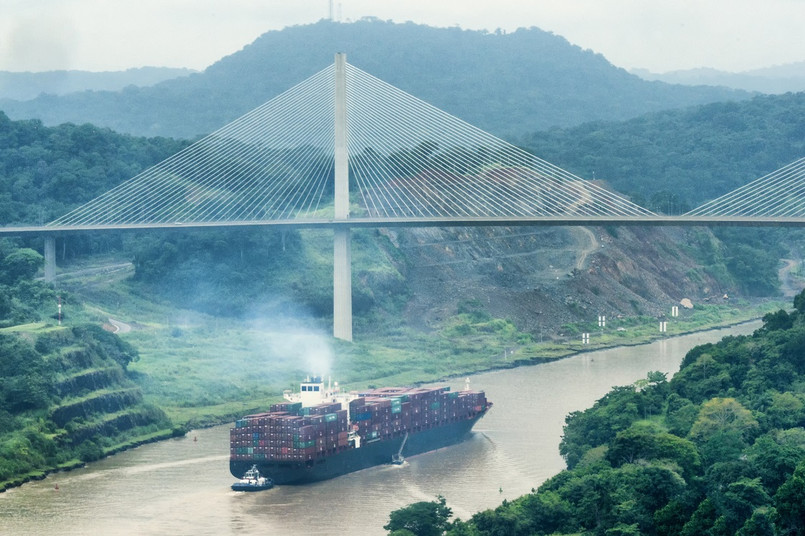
(252, 481)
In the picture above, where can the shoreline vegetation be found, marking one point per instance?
(446, 355)
(717, 449)
(186, 418)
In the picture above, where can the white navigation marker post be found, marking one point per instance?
(342, 251)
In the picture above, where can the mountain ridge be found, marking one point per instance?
(776, 79)
(25, 85)
(506, 83)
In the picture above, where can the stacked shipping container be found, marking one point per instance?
(290, 432)
(391, 412)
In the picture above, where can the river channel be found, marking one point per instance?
(181, 486)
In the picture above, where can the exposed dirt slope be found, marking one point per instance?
(543, 277)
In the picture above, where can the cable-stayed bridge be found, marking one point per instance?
(344, 149)
(407, 160)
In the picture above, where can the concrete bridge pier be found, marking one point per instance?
(50, 258)
(342, 285)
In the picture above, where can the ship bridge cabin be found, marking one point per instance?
(312, 391)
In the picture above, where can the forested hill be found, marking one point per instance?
(46, 172)
(66, 396)
(508, 84)
(719, 450)
(675, 160)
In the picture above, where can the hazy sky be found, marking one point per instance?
(659, 35)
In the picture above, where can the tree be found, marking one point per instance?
(779, 320)
(799, 302)
(773, 460)
(723, 414)
(616, 411)
(702, 520)
(760, 524)
(669, 520)
(21, 264)
(656, 377)
(24, 376)
(790, 502)
(680, 414)
(421, 519)
(701, 377)
(107, 344)
(740, 500)
(6, 305)
(648, 442)
(547, 512)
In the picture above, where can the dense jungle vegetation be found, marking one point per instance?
(47, 171)
(675, 160)
(65, 397)
(718, 450)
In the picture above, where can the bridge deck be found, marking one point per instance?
(747, 221)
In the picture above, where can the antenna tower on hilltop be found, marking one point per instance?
(335, 11)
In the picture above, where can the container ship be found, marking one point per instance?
(321, 433)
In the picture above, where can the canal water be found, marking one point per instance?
(181, 486)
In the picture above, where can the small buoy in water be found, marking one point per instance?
(56, 487)
(195, 438)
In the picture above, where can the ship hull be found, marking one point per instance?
(368, 455)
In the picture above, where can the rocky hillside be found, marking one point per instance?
(542, 278)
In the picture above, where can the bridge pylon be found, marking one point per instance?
(342, 252)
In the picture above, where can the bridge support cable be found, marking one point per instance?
(780, 194)
(272, 163)
(407, 159)
(422, 161)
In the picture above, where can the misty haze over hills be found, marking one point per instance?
(777, 79)
(508, 84)
(26, 85)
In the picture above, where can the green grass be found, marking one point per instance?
(218, 368)
(34, 328)
(202, 369)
